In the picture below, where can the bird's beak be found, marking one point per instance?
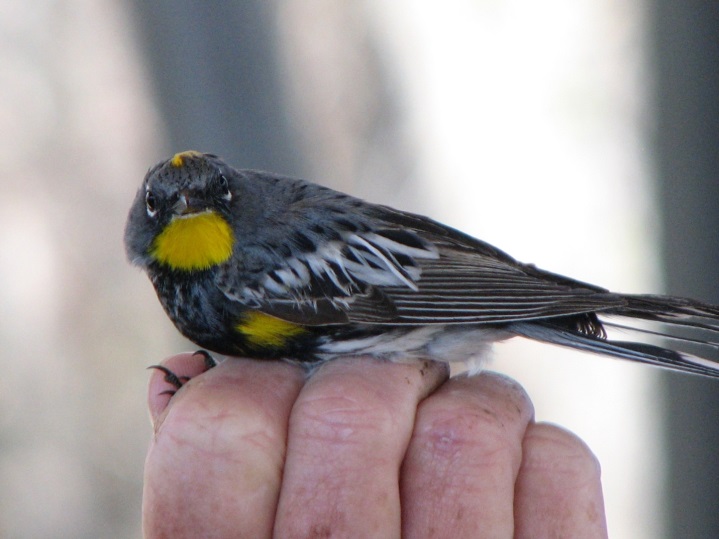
(187, 204)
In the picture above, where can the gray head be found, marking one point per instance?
(191, 187)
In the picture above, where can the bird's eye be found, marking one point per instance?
(224, 186)
(151, 203)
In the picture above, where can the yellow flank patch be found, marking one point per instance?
(264, 330)
(178, 159)
(195, 241)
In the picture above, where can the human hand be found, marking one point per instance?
(363, 448)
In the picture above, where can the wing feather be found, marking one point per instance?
(394, 276)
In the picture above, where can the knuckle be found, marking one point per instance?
(341, 418)
(450, 432)
(557, 450)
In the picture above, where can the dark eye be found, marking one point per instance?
(150, 203)
(224, 186)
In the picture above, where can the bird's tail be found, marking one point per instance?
(690, 327)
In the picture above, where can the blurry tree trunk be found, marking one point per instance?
(686, 64)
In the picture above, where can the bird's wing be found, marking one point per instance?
(465, 287)
(412, 271)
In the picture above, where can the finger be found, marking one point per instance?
(349, 430)
(214, 466)
(559, 492)
(464, 456)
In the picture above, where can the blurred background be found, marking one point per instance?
(580, 135)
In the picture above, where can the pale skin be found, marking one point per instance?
(362, 448)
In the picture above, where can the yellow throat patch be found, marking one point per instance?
(196, 241)
(264, 330)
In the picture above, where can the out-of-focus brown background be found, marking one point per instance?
(579, 135)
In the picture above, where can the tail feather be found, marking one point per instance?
(666, 335)
(634, 351)
(672, 310)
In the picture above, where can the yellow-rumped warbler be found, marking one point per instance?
(259, 265)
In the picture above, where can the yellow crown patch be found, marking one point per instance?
(178, 159)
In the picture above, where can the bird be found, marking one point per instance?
(256, 264)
